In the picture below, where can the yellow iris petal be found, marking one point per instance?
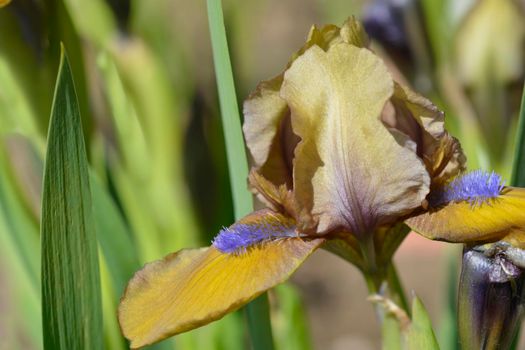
(267, 131)
(193, 287)
(4, 2)
(462, 222)
(349, 169)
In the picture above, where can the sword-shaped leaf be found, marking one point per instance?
(71, 306)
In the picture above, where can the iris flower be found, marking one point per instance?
(342, 155)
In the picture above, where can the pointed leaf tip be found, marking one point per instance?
(71, 306)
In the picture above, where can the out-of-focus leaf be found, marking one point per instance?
(131, 165)
(289, 320)
(176, 45)
(448, 327)
(159, 114)
(518, 169)
(18, 223)
(420, 334)
(112, 336)
(391, 334)
(437, 25)
(462, 120)
(20, 319)
(165, 209)
(148, 155)
(93, 19)
(71, 301)
(114, 238)
(16, 114)
(33, 77)
(489, 42)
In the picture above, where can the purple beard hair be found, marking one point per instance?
(476, 187)
(239, 237)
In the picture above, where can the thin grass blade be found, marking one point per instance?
(20, 321)
(71, 300)
(114, 238)
(258, 310)
(518, 170)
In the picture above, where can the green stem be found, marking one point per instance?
(396, 288)
(376, 274)
(392, 289)
(258, 310)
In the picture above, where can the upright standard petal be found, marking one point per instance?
(268, 132)
(349, 169)
(193, 287)
(267, 128)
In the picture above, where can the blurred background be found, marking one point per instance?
(146, 86)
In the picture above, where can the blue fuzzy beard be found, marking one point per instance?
(239, 237)
(476, 187)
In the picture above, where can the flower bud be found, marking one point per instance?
(490, 299)
(383, 21)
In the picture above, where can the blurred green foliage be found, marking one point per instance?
(149, 108)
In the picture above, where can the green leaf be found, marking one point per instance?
(391, 333)
(93, 19)
(237, 161)
(71, 301)
(258, 311)
(518, 169)
(20, 225)
(420, 333)
(448, 326)
(20, 319)
(114, 238)
(290, 322)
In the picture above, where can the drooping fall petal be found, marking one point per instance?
(464, 221)
(193, 287)
(349, 169)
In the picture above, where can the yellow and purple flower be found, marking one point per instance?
(342, 155)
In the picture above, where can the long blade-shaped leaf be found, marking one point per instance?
(71, 306)
(237, 161)
(114, 238)
(518, 168)
(258, 310)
